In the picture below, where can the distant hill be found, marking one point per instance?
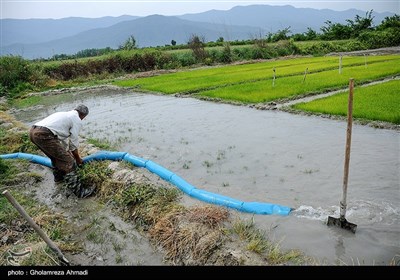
(31, 31)
(274, 18)
(155, 30)
(43, 38)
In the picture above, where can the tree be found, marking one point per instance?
(129, 44)
(386, 34)
(196, 44)
(173, 42)
(310, 34)
(388, 22)
(335, 31)
(353, 28)
(279, 35)
(360, 24)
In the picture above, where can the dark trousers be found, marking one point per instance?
(51, 146)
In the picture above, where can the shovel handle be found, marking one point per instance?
(343, 202)
(32, 223)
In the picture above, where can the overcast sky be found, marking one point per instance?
(93, 9)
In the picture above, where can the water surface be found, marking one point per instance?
(265, 156)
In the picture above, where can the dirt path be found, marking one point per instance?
(381, 51)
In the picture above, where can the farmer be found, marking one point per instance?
(57, 137)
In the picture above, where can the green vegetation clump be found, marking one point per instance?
(18, 75)
(14, 74)
(4, 170)
(18, 140)
(102, 144)
(256, 242)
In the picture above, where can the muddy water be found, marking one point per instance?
(265, 156)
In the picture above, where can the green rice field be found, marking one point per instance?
(290, 86)
(280, 80)
(209, 78)
(380, 102)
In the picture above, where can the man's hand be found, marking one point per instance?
(77, 157)
(79, 161)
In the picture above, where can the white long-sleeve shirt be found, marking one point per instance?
(66, 125)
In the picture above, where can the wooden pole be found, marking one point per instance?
(32, 223)
(340, 64)
(343, 202)
(273, 79)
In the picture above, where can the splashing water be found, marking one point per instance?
(365, 212)
(311, 213)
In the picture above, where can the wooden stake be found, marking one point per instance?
(273, 79)
(305, 74)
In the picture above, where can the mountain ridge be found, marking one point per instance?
(70, 35)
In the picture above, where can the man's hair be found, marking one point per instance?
(82, 109)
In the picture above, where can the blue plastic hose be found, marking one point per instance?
(167, 175)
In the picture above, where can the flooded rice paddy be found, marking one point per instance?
(264, 156)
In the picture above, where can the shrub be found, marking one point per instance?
(319, 48)
(37, 76)
(14, 70)
(286, 47)
(378, 39)
(354, 45)
(185, 58)
(226, 55)
(242, 53)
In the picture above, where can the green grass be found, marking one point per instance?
(380, 102)
(100, 143)
(257, 242)
(5, 171)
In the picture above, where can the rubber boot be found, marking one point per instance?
(85, 192)
(58, 175)
(74, 185)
